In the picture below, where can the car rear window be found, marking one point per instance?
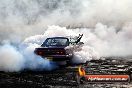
(55, 42)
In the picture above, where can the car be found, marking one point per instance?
(59, 48)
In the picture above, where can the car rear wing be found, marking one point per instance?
(76, 39)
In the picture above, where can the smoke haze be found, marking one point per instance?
(25, 24)
(29, 17)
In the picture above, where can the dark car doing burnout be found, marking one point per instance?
(54, 48)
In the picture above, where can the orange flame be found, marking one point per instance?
(81, 71)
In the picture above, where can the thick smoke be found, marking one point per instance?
(29, 17)
(106, 25)
(98, 42)
(11, 59)
(17, 58)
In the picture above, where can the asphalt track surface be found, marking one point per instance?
(60, 78)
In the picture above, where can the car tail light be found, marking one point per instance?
(60, 52)
(57, 52)
(40, 52)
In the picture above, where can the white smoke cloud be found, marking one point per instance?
(99, 41)
(29, 17)
(109, 42)
(14, 58)
(10, 59)
(106, 25)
